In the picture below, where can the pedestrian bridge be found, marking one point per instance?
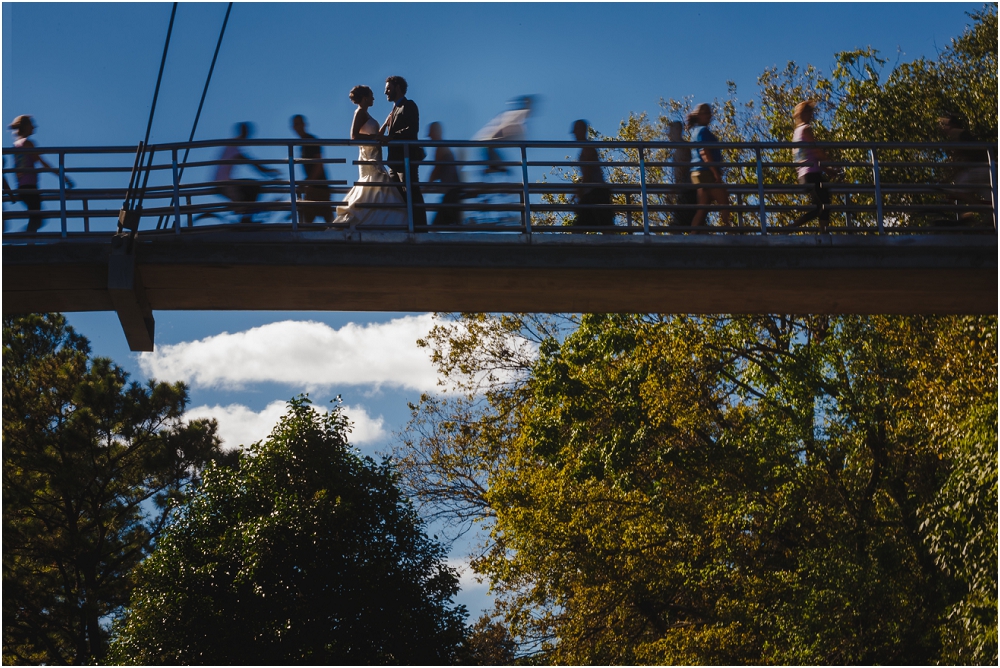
(146, 230)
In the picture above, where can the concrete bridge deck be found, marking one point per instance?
(259, 269)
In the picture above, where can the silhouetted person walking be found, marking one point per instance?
(511, 125)
(403, 123)
(810, 170)
(975, 174)
(707, 176)
(681, 156)
(445, 173)
(243, 192)
(592, 191)
(26, 172)
(314, 171)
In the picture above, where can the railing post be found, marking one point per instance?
(409, 190)
(760, 191)
(993, 185)
(86, 216)
(876, 173)
(739, 209)
(642, 181)
(190, 215)
(291, 187)
(524, 182)
(848, 214)
(62, 191)
(177, 193)
(628, 209)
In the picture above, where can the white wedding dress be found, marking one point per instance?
(362, 216)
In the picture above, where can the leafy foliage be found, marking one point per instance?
(303, 553)
(92, 466)
(860, 101)
(737, 490)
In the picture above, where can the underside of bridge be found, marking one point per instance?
(253, 269)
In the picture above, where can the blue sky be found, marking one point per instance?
(86, 72)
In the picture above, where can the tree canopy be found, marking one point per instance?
(304, 552)
(670, 489)
(862, 100)
(92, 466)
(745, 489)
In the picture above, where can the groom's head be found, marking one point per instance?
(395, 88)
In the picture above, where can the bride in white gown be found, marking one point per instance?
(365, 127)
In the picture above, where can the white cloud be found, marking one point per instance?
(240, 426)
(467, 578)
(304, 354)
(472, 593)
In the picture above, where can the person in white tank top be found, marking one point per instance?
(811, 171)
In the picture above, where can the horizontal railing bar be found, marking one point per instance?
(497, 144)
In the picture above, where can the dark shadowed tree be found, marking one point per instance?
(92, 466)
(303, 553)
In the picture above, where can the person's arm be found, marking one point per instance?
(703, 152)
(257, 164)
(411, 121)
(441, 154)
(383, 131)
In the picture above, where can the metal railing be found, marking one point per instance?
(883, 188)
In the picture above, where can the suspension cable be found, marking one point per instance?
(159, 77)
(201, 103)
(127, 217)
(204, 91)
(152, 110)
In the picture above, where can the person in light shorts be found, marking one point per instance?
(703, 173)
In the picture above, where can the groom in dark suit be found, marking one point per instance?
(404, 123)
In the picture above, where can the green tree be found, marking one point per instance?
(92, 466)
(669, 489)
(860, 101)
(715, 490)
(303, 553)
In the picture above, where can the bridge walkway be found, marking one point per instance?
(908, 234)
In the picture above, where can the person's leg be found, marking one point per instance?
(604, 217)
(585, 217)
(397, 176)
(419, 212)
(247, 193)
(823, 201)
(322, 211)
(970, 178)
(308, 210)
(705, 178)
(721, 196)
(33, 201)
(704, 197)
(683, 217)
(813, 179)
(449, 216)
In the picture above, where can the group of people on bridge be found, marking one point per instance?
(379, 196)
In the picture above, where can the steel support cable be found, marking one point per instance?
(201, 103)
(208, 80)
(156, 94)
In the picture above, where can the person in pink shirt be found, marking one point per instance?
(26, 172)
(811, 171)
